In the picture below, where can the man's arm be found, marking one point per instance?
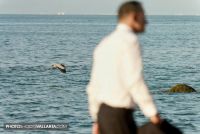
(92, 102)
(133, 76)
(93, 106)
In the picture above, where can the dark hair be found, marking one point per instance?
(129, 7)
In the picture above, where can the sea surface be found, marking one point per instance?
(31, 91)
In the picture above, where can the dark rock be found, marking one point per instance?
(182, 88)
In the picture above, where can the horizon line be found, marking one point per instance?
(94, 14)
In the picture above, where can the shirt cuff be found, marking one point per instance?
(150, 111)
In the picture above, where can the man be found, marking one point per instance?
(117, 82)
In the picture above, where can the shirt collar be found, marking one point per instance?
(122, 26)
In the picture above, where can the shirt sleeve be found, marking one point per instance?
(92, 93)
(133, 76)
(92, 102)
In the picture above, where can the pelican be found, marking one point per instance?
(61, 67)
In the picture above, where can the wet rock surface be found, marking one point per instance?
(181, 88)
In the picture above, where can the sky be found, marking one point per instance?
(102, 7)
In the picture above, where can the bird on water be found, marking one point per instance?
(61, 67)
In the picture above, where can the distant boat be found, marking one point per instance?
(60, 13)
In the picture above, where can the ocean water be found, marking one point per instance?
(30, 91)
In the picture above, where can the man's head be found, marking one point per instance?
(132, 14)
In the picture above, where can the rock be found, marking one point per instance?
(182, 88)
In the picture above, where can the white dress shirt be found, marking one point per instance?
(117, 74)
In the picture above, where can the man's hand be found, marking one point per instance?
(95, 128)
(156, 119)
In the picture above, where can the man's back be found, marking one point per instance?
(117, 77)
(108, 70)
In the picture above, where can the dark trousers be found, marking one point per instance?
(116, 120)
